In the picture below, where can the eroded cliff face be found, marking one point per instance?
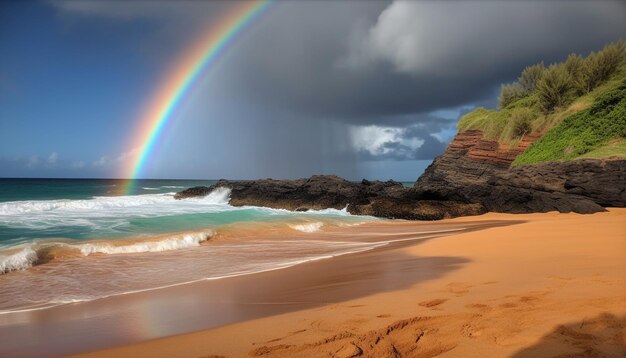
(476, 170)
(472, 145)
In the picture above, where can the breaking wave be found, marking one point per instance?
(154, 201)
(24, 256)
(172, 243)
(20, 260)
(105, 213)
(310, 227)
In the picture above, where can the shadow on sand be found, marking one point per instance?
(600, 336)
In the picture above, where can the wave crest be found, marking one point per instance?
(168, 244)
(22, 257)
(219, 195)
(308, 228)
(20, 260)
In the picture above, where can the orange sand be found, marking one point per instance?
(554, 285)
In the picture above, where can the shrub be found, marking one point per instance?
(555, 88)
(598, 67)
(609, 59)
(510, 93)
(575, 66)
(530, 77)
(521, 122)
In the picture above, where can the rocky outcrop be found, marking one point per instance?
(382, 199)
(469, 172)
(474, 175)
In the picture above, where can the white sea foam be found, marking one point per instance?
(172, 187)
(24, 256)
(148, 188)
(310, 227)
(91, 205)
(326, 212)
(350, 224)
(171, 243)
(19, 260)
(220, 195)
(106, 212)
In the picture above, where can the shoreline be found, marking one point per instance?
(551, 285)
(137, 317)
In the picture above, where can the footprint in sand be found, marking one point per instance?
(432, 303)
(356, 306)
(287, 336)
(479, 306)
(458, 288)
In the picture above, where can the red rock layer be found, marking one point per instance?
(472, 144)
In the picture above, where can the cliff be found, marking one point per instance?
(472, 144)
(475, 170)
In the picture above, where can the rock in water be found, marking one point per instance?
(388, 199)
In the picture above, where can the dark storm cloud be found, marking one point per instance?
(360, 62)
(362, 81)
(370, 62)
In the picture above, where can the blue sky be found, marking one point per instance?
(311, 88)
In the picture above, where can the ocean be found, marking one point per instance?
(72, 240)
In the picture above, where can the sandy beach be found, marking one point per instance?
(534, 285)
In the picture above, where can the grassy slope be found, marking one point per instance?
(586, 131)
(585, 128)
(614, 149)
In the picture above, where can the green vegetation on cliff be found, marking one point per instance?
(583, 132)
(578, 106)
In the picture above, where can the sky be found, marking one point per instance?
(360, 89)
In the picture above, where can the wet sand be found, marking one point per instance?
(553, 284)
(134, 318)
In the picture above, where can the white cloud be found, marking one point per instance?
(121, 10)
(108, 161)
(176, 11)
(53, 158)
(376, 139)
(32, 161)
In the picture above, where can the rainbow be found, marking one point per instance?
(179, 83)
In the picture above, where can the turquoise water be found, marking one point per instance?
(33, 209)
(48, 189)
(87, 241)
(34, 212)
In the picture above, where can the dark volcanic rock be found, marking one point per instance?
(193, 192)
(383, 199)
(582, 186)
(472, 176)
